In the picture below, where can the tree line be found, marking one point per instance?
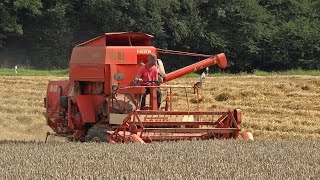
(270, 35)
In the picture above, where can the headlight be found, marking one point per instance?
(115, 87)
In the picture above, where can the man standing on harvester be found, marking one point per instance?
(147, 74)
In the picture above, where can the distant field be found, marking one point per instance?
(30, 72)
(274, 107)
(292, 72)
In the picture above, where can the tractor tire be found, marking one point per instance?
(96, 135)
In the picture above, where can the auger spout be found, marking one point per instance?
(219, 59)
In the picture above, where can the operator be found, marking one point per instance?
(149, 73)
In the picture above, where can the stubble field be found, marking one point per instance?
(282, 107)
(274, 108)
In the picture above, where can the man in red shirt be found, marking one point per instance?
(149, 72)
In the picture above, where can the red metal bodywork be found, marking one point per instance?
(55, 114)
(219, 59)
(100, 88)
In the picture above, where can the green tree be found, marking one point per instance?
(238, 28)
(49, 36)
(10, 13)
(254, 34)
(296, 40)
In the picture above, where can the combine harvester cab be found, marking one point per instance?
(100, 102)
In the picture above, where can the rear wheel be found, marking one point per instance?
(96, 135)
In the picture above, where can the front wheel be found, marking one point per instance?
(96, 135)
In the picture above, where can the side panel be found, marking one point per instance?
(88, 55)
(86, 108)
(87, 64)
(87, 72)
(89, 106)
(53, 95)
(128, 54)
(54, 90)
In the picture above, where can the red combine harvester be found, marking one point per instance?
(100, 103)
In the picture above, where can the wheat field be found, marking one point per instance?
(282, 112)
(229, 159)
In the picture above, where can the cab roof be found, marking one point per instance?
(120, 39)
